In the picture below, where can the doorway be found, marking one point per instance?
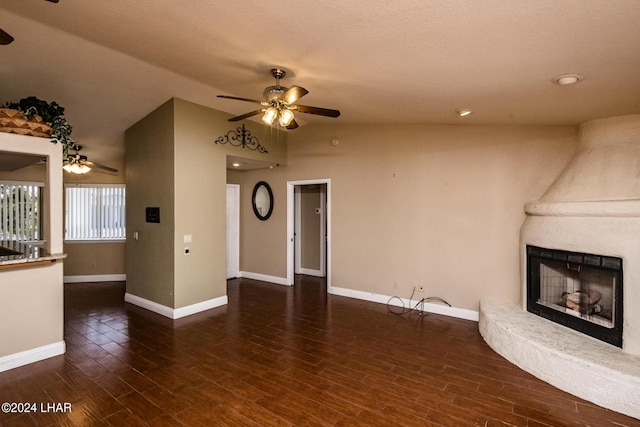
(310, 234)
(310, 199)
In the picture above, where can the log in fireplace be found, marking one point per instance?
(578, 290)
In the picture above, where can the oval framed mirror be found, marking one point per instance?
(262, 200)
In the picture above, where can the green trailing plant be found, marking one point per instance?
(52, 114)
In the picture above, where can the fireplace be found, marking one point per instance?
(590, 217)
(578, 290)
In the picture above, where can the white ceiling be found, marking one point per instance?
(110, 62)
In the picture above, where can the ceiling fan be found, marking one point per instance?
(6, 38)
(77, 163)
(279, 102)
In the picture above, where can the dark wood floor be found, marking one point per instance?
(280, 356)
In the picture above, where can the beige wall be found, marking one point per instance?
(200, 204)
(94, 259)
(32, 313)
(150, 183)
(34, 173)
(262, 243)
(174, 163)
(440, 206)
(310, 227)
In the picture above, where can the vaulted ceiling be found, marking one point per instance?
(109, 63)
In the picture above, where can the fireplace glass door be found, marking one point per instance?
(580, 291)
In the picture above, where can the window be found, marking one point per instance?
(95, 212)
(20, 210)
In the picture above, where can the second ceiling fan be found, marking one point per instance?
(6, 38)
(79, 164)
(279, 102)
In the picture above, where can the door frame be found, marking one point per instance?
(291, 185)
(298, 269)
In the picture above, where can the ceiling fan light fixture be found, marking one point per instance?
(76, 168)
(270, 115)
(275, 102)
(286, 116)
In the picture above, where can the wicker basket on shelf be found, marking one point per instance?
(13, 121)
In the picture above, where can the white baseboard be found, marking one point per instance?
(200, 306)
(96, 278)
(430, 307)
(445, 310)
(310, 272)
(264, 277)
(175, 313)
(30, 356)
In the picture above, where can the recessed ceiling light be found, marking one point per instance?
(235, 165)
(567, 79)
(464, 112)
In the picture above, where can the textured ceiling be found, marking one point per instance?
(408, 61)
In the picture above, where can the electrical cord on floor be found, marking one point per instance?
(405, 310)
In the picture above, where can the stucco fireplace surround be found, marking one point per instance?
(593, 208)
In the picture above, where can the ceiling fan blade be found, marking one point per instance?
(293, 94)
(316, 110)
(246, 116)
(5, 38)
(255, 101)
(292, 125)
(98, 165)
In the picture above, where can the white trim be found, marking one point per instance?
(75, 184)
(149, 305)
(199, 307)
(298, 232)
(310, 272)
(290, 227)
(30, 356)
(95, 278)
(445, 310)
(28, 183)
(264, 278)
(176, 313)
(104, 240)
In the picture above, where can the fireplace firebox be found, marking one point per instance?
(578, 290)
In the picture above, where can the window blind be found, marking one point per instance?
(20, 211)
(95, 212)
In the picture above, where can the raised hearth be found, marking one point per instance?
(573, 362)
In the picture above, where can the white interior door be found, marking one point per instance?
(233, 231)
